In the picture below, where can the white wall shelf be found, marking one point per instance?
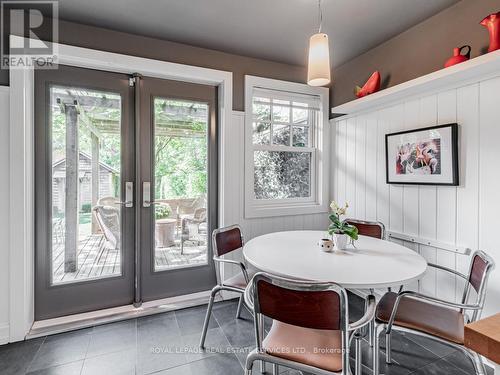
(482, 67)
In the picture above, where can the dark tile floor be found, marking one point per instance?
(167, 344)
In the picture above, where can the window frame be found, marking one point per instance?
(318, 135)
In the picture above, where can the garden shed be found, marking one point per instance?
(108, 182)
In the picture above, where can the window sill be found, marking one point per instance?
(254, 211)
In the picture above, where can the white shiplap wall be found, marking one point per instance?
(467, 215)
(4, 214)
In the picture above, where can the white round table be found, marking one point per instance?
(373, 264)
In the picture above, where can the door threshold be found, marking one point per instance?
(115, 314)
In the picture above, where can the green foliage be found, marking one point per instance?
(180, 161)
(339, 226)
(56, 214)
(180, 167)
(58, 135)
(110, 150)
(281, 175)
(86, 208)
(84, 218)
(162, 211)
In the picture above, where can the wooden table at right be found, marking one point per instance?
(483, 337)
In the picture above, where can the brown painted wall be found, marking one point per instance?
(129, 44)
(418, 51)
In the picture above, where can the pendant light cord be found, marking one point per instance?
(320, 16)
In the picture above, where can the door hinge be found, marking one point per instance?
(134, 79)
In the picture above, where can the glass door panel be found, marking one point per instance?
(86, 181)
(180, 177)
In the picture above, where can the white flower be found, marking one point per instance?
(339, 211)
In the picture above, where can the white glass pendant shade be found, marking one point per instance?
(318, 69)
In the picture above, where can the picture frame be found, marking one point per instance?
(425, 156)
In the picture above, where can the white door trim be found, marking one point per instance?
(21, 175)
(21, 211)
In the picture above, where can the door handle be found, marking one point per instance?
(146, 195)
(129, 195)
(126, 203)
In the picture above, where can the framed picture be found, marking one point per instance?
(427, 156)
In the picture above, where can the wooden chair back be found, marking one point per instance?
(226, 240)
(308, 305)
(369, 228)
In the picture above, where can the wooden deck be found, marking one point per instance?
(96, 260)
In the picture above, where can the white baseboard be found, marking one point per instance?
(83, 320)
(114, 314)
(4, 333)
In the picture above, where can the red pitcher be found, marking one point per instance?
(458, 56)
(492, 23)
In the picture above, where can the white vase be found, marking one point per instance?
(341, 240)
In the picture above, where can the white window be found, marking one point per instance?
(285, 155)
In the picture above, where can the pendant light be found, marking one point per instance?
(318, 68)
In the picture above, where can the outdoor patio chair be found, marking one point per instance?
(108, 217)
(194, 228)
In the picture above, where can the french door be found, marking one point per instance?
(126, 189)
(178, 177)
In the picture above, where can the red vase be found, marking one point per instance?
(492, 23)
(458, 57)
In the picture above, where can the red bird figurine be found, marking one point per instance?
(371, 86)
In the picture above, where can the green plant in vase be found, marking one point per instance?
(339, 229)
(162, 211)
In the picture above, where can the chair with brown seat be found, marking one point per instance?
(225, 241)
(438, 319)
(310, 330)
(374, 229)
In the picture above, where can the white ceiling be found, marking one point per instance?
(270, 29)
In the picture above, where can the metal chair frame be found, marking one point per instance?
(220, 283)
(371, 327)
(348, 330)
(476, 309)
